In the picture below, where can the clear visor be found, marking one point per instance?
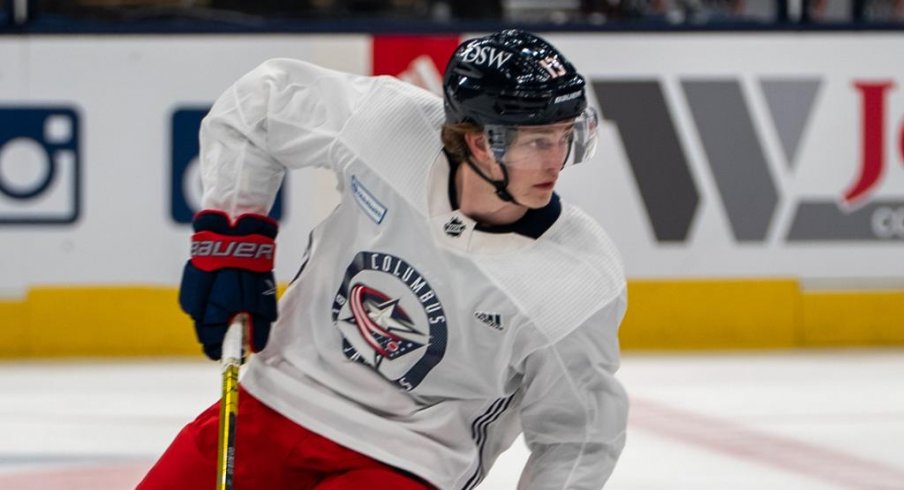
(559, 144)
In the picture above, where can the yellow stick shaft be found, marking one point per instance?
(229, 403)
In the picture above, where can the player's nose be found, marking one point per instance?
(553, 161)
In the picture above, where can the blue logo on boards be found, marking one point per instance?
(185, 181)
(40, 165)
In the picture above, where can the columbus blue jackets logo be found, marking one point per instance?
(382, 324)
(390, 318)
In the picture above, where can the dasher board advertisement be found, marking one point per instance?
(720, 155)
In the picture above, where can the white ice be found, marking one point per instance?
(782, 420)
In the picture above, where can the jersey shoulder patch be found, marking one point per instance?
(395, 133)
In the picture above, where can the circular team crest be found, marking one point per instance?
(390, 318)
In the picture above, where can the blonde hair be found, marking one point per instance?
(453, 137)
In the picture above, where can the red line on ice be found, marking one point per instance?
(730, 438)
(94, 477)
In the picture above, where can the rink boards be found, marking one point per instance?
(749, 180)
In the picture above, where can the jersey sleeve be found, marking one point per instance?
(574, 412)
(284, 114)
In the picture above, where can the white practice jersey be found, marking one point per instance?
(412, 334)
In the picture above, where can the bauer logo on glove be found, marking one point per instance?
(230, 272)
(210, 251)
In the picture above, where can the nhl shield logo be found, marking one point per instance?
(390, 319)
(454, 228)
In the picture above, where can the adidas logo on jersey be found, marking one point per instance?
(493, 320)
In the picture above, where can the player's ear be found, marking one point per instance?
(477, 146)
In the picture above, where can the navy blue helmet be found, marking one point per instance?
(511, 78)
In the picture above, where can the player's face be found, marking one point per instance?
(540, 146)
(534, 160)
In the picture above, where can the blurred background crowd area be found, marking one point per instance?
(625, 13)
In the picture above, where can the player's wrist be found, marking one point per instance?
(248, 243)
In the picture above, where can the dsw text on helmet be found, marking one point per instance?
(484, 55)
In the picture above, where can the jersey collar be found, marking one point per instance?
(534, 223)
(455, 230)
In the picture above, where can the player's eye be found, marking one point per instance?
(543, 144)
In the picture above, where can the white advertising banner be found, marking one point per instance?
(748, 155)
(745, 155)
(98, 147)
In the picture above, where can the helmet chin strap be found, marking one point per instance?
(501, 186)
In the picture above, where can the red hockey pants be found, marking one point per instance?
(272, 453)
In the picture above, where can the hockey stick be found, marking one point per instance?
(229, 403)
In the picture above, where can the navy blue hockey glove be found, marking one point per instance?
(230, 272)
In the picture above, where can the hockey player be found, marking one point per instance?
(450, 302)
